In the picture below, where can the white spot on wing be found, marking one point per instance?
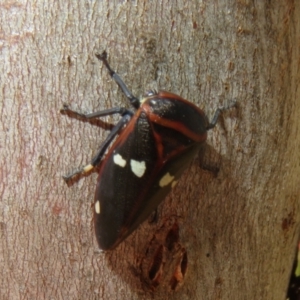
(97, 207)
(119, 160)
(166, 179)
(138, 167)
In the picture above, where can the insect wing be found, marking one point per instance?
(123, 175)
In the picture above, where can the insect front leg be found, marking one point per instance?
(134, 101)
(217, 113)
(107, 112)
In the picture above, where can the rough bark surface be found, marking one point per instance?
(238, 227)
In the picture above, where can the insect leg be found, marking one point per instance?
(215, 118)
(116, 110)
(97, 158)
(133, 100)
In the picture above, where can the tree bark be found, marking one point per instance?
(228, 234)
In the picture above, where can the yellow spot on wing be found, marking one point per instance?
(143, 100)
(174, 183)
(166, 179)
(88, 168)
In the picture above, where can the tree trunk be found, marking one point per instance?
(238, 226)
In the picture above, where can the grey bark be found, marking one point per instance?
(239, 226)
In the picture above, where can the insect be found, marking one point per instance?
(151, 149)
